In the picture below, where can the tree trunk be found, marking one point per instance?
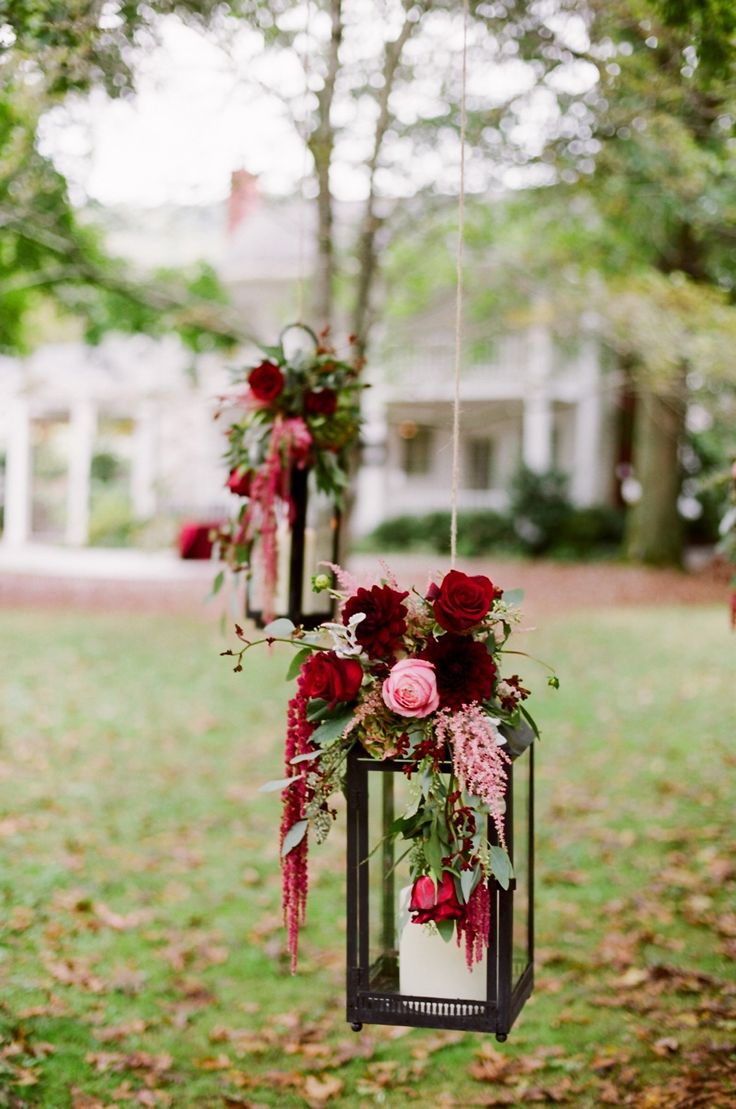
(654, 532)
(321, 145)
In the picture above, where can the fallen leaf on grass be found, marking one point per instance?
(431, 1044)
(21, 918)
(243, 1040)
(80, 1100)
(76, 972)
(666, 1046)
(117, 1032)
(121, 922)
(214, 1062)
(116, 1061)
(321, 1090)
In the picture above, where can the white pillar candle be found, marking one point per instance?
(310, 567)
(429, 967)
(283, 540)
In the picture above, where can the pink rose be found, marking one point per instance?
(411, 688)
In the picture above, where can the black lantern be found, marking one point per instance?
(308, 534)
(308, 529)
(403, 973)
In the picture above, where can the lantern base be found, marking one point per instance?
(356, 1026)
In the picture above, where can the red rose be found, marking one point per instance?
(460, 602)
(320, 402)
(239, 482)
(266, 382)
(464, 670)
(383, 628)
(332, 678)
(426, 904)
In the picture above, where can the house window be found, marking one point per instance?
(416, 443)
(480, 463)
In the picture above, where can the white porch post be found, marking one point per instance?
(82, 426)
(18, 475)
(537, 424)
(143, 465)
(586, 479)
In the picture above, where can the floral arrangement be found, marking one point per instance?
(417, 678)
(297, 408)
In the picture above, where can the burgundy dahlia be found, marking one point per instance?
(320, 402)
(464, 670)
(384, 626)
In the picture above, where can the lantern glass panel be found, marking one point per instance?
(388, 878)
(305, 540)
(521, 921)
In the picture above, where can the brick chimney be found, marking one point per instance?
(243, 198)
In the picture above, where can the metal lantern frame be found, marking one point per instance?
(373, 996)
(296, 588)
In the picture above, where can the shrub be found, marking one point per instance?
(539, 508)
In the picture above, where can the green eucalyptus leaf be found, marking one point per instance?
(305, 758)
(316, 709)
(468, 881)
(331, 729)
(293, 837)
(297, 662)
(277, 783)
(501, 867)
(281, 628)
(513, 596)
(446, 929)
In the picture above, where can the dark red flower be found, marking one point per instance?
(239, 482)
(462, 601)
(320, 402)
(385, 620)
(332, 678)
(266, 382)
(429, 904)
(464, 670)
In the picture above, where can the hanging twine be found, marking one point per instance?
(459, 296)
(301, 266)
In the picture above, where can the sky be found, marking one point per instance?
(190, 124)
(194, 120)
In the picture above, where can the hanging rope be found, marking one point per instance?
(459, 296)
(305, 166)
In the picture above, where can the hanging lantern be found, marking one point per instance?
(403, 972)
(296, 422)
(403, 705)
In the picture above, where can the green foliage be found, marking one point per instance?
(542, 521)
(539, 507)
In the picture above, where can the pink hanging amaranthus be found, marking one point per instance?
(294, 865)
(478, 758)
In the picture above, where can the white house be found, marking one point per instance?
(136, 397)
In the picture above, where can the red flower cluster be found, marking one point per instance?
(239, 482)
(381, 632)
(331, 678)
(461, 601)
(320, 402)
(266, 382)
(428, 903)
(464, 670)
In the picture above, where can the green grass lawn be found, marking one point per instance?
(141, 955)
